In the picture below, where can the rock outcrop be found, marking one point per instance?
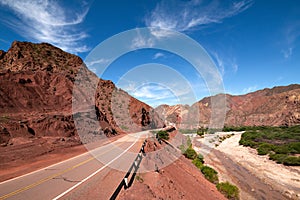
(36, 91)
(279, 106)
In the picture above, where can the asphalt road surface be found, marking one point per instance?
(94, 174)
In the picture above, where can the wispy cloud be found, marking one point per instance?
(153, 92)
(220, 63)
(291, 34)
(249, 89)
(158, 55)
(224, 63)
(141, 41)
(49, 21)
(287, 53)
(101, 61)
(187, 15)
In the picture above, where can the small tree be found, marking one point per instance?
(210, 174)
(163, 135)
(198, 162)
(201, 131)
(200, 157)
(230, 191)
(190, 153)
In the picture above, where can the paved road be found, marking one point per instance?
(76, 177)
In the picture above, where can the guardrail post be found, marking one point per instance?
(125, 183)
(134, 165)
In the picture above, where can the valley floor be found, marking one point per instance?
(256, 176)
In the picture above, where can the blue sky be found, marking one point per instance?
(254, 44)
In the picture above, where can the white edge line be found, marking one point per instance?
(93, 174)
(55, 164)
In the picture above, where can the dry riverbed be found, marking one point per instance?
(256, 176)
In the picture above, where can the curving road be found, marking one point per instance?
(94, 174)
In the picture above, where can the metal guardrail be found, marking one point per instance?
(134, 167)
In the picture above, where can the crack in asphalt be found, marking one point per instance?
(66, 179)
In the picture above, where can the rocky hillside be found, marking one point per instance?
(36, 87)
(270, 107)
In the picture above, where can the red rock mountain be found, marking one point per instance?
(270, 107)
(36, 87)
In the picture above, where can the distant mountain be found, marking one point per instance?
(270, 107)
(36, 87)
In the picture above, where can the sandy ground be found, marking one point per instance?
(257, 176)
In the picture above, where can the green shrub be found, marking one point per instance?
(281, 143)
(230, 191)
(201, 131)
(188, 144)
(279, 158)
(295, 147)
(200, 157)
(284, 149)
(292, 160)
(210, 174)
(232, 128)
(190, 153)
(139, 179)
(247, 143)
(198, 163)
(123, 127)
(163, 135)
(264, 148)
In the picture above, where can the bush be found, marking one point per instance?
(295, 147)
(264, 148)
(292, 160)
(210, 174)
(201, 131)
(200, 157)
(198, 163)
(230, 191)
(232, 128)
(279, 158)
(282, 149)
(163, 135)
(190, 153)
(281, 143)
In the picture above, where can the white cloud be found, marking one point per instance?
(101, 61)
(48, 21)
(184, 16)
(141, 41)
(287, 53)
(249, 89)
(153, 92)
(224, 63)
(155, 95)
(93, 69)
(291, 36)
(235, 67)
(158, 55)
(220, 63)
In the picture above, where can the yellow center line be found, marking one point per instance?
(53, 176)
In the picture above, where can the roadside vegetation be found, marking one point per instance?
(199, 131)
(163, 135)
(281, 144)
(228, 190)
